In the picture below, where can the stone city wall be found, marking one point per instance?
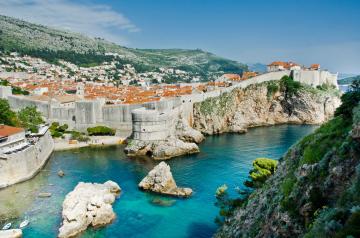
(89, 113)
(23, 165)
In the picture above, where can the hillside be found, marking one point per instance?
(52, 44)
(315, 191)
(348, 80)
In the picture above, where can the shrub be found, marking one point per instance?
(290, 86)
(54, 125)
(75, 135)
(56, 134)
(100, 131)
(288, 185)
(272, 88)
(226, 204)
(62, 128)
(349, 100)
(263, 168)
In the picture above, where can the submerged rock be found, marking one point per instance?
(160, 180)
(61, 173)
(162, 202)
(44, 195)
(12, 233)
(88, 204)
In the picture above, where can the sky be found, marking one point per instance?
(248, 31)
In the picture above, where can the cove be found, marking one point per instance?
(224, 159)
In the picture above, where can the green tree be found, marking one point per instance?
(289, 86)
(7, 116)
(100, 131)
(349, 100)
(30, 118)
(263, 168)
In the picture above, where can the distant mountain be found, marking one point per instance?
(257, 67)
(52, 44)
(345, 75)
(348, 80)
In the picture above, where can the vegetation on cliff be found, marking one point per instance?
(315, 191)
(268, 103)
(263, 168)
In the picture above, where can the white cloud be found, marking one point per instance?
(90, 19)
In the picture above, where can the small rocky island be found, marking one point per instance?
(88, 204)
(160, 180)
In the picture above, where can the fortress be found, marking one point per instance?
(147, 121)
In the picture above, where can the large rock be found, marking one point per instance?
(186, 133)
(88, 204)
(160, 180)
(161, 150)
(13, 233)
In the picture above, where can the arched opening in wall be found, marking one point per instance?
(149, 153)
(143, 129)
(190, 100)
(73, 118)
(183, 101)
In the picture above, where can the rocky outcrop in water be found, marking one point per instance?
(264, 104)
(160, 180)
(89, 204)
(182, 140)
(160, 150)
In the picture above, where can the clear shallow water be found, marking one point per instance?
(223, 159)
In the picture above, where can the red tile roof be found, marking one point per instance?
(9, 130)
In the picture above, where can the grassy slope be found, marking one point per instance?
(348, 80)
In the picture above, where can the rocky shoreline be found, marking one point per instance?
(264, 104)
(313, 193)
(257, 105)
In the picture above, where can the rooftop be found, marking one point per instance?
(9, 130)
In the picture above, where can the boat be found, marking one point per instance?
(7, 226)
(24, 223)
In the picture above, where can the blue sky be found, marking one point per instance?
(317, 31)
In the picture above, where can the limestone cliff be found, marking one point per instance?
(264, 104)
(315, 191)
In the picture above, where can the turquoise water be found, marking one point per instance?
(223, 159)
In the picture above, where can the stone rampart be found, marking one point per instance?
(89, 113)
(23, 165)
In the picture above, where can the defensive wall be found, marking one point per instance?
(88, 113)
(23, 165)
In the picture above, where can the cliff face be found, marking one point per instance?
(264, 104)
(315, 191)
